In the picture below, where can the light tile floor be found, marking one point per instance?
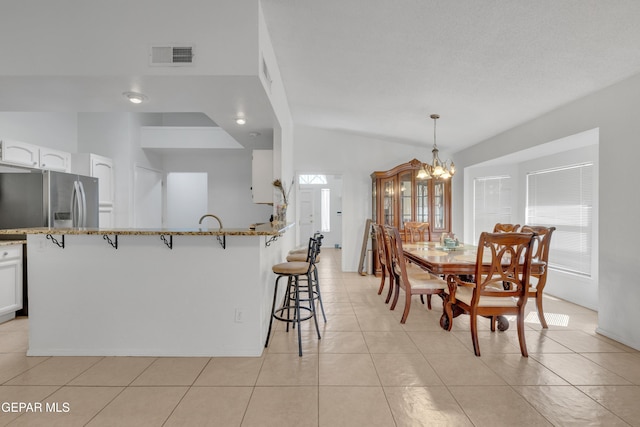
(367, 370)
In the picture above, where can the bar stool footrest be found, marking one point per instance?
(292, 309)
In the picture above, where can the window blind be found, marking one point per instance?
(563, 198)
(491, 203)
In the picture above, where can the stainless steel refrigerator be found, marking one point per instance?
(48, 199)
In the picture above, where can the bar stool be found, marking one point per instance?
(295, 256)
(304, 257)
(304, 249)
(292, 271)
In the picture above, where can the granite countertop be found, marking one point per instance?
(12, 242)
(260, 230)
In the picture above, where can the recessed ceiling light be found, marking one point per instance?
(241, 120)
(135, 97)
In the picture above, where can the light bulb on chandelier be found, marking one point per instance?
(437, 169)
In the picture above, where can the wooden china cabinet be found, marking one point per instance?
(399, 197)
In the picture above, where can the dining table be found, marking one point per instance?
(440, 259)
(459, 260)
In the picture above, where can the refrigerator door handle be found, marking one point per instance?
(74, 205)
(83, 205)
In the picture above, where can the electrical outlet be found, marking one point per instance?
(238, 316)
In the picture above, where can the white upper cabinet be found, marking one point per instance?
(55, 160)
(34, 156)
(20, 153)
(262, 176)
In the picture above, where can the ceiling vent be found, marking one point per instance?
(172, 55)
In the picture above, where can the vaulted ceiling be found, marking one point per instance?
(372, 67)
(381, 67)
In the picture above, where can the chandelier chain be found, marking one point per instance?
(437, 169)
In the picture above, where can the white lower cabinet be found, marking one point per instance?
(10, 281)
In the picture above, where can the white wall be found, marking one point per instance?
(187, 199)
(229, 184)
(117, 136)
(283, 129)
(354, 157)
(52, 130)
(614, 111)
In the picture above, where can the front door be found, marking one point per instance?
(307, 207)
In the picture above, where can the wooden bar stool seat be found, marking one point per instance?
(291, 268)
(298, 251)
(300, 257)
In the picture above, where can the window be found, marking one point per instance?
(325, 210)
(312, 179)
(562, 198)
(491, 203)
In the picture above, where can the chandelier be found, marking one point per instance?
(437, 169)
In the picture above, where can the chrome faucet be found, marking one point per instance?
(211, 215)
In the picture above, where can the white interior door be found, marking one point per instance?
(147, 198)
(187, 199)
(307, 209)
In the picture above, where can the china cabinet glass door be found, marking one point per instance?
(406, 196)
(439, 216)
(388, 201)
(422, 201)
(374, 196)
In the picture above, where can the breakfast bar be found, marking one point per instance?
(150, 292)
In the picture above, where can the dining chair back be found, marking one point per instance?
(540, 252)
(384, 260)
(500, 283)
(506, 228)
(408, 277)
(417, 231)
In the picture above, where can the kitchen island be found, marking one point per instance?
(150, 292)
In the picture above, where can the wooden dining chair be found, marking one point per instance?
(408, 277)
(506, 228)
(417, 231)
(540, 252)
(501, 258)
(384, 260)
